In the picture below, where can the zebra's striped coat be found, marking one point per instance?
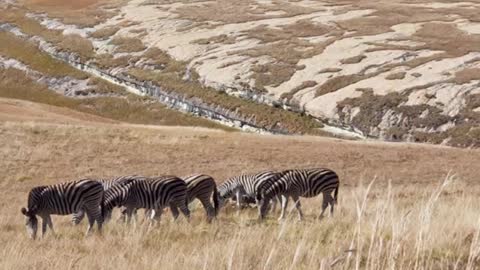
(64, 199)
(151, 194)
(244, 187)
(107, 183)
(300, 183)
(203, 187)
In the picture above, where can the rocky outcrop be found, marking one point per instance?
(146, 88)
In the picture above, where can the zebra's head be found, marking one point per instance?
(31, 222)
(223, 195)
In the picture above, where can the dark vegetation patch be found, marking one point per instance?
(353, 60)
(216, 39)
(306, 84)
(396, 76)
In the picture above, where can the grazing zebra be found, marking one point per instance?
(202, 187)
(106, 183)
(244, 187)
(300, 183)
(64, 199)
(151, 194)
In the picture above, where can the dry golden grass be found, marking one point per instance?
(78, 44)
(127, 44)
(106, 61)
(244, 11)
(339, 82)
(27, 53)
(105, 32)
(72, 42)
(85, 13)
(130, 108)
(404, 220)
(65, 4)
(467, 75)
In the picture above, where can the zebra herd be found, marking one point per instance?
(97, 198)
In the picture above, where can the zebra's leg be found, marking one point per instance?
(150, 214)
(91, 222)
(274, 203)
(284, 207)
(50, 224)
(328, 197)
(184, 208)
(156, 214)
(208, 208)
(99, 219)
(238, 195)
(325, 203)
(175, 212)
(296, 199)
(78, 217)
(44, 225)
(129, 212)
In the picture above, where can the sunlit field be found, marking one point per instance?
(401, 206)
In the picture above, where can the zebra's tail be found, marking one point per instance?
(335, 195)
(216, 203)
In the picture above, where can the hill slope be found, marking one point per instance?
(392, 70)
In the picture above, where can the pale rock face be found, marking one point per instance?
(226, 67)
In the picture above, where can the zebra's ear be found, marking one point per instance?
(24, 211)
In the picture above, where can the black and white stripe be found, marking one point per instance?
(243, 188)
(203, 187)
(106, 183)
(149, 193)
(64, 199)
(300, 183)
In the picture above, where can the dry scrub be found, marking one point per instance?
(27, 53)
(86, 13)
(127, 44)
(105, 32)
(14, 84)
(73, 43)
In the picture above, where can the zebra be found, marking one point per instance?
(150, 193)
(64, 199)
(202, 187)
(106, 183)
(300, 183)
(243, 188)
